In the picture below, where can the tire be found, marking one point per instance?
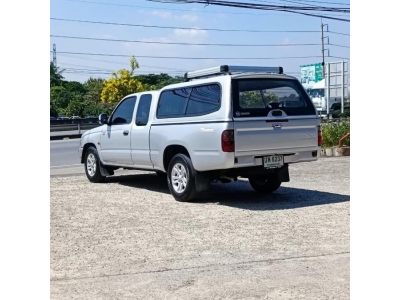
(181, 178)
(92, 166)
(265, 184)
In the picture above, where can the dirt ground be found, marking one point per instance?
(129, 239)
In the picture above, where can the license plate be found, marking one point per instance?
(273, 161)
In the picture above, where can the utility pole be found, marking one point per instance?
(342, 91)
(325, 75)
(323, 37)
(54, 55)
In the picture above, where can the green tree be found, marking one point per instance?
(134, 64)
(59, 97)
(119, 85)
(76, 106)
(75, 87)
(62, 96)
(158, 81)
(93, 88)
(53, 110)
(55, 75)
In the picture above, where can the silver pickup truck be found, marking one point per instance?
(220, 124)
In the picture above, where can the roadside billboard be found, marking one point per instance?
(311, 74)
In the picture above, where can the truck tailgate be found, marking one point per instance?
(266, 136)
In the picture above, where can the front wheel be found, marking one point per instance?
(265, 184)
(92, 166)
(181, 178)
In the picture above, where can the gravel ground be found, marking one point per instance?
(129, 239)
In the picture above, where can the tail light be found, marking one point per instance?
(319, 136)
(228, 141)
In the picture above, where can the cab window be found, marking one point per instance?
(204, 99)
(123, 113)
(172, 103)
(143, 110)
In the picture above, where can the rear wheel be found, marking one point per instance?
(181, 178)
(265, 184)
(92, 166)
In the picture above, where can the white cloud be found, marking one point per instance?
(190, 35)
(162, 14)
(188, 17)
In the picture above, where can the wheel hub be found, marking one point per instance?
(179, 178)
(91, 164)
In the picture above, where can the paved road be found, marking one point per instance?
(64, 152)
(129, 239)
(64, 157)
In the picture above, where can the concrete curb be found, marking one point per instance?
(335, 151)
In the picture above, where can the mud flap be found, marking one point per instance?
(283, 173)
(202, 182)
(104, 171)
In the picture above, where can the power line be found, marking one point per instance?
(340, 57)
(185, 58)
(120, 64)
(92, 68)
(336, 45)
(339, 33)
(151, 7)
(188, 44)
(325, 15)
(310, 1)
(265, 7)
(137, 72)
(86, 69)
(162, 8)
(191, 28)
(99, 71)
(170, 70)
(85, 66)
(252, 5)
(182, 43)
(181, 27)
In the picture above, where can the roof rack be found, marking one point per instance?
(225, 69)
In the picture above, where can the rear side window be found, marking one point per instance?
(256, 97)
(123, 113)
(173, 103)
(191, 101)
(204, 99)
(142, 114)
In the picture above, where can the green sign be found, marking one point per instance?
(311, 74)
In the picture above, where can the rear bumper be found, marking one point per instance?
(290, 156)
(282, 173)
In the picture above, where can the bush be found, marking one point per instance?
(332, 133)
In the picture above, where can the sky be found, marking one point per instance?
(81, 67)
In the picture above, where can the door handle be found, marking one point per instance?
(125, 132)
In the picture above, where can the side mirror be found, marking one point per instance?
(103, 119)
